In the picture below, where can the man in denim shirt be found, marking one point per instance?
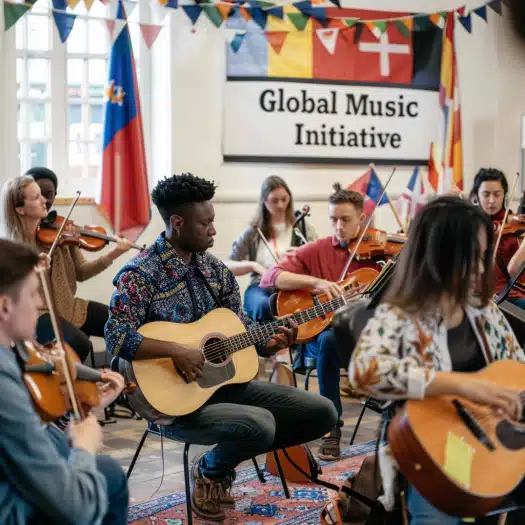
(167, 282)
(42, 478)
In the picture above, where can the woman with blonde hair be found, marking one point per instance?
(23, 209)
(275, 219)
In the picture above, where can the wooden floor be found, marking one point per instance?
(159, 469)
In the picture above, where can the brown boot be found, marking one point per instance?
(330, 448)
(205, 496)
(225, 487)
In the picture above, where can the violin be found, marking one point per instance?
(515, 225)
(377, 243)
(90, 238)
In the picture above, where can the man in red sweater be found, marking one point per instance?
(317, 267)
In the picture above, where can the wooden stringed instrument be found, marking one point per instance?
(461, 456)
(229, 352)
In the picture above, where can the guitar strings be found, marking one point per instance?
(220, 348)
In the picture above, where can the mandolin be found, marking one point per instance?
(461, 456)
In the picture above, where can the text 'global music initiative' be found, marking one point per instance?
(335, 103)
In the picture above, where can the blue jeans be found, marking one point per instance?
(518, 301)
(324, 349)
(424, 513)
(116, 481)
(251, 419)
(257, 303)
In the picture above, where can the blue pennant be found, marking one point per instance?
(258, 15)
(276, 11)
(481, 12)
(466, 22)
(64, 23)
(60, 4)
(237, 41)
(193, 12)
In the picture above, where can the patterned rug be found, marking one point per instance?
(261, 504)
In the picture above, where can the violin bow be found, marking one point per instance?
(500, 234)
(63, 225)
(304, 213)
(63, 356)
(267, 244)
(368, 222)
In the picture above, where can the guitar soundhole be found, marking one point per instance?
(216, 351)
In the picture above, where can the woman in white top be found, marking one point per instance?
(275, 218)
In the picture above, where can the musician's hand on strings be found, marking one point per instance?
(189, 362)
(505, 400)
(110, 387)
(283, 340)
(122, 246)
(328, 288)
(71, 231)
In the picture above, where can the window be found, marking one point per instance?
(61, 90)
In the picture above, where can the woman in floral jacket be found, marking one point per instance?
(428, 331)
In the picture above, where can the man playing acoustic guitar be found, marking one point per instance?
(176, 280)
(317, 266)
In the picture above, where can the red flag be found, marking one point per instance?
(124, 197)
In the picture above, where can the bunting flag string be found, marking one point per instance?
(252, 15)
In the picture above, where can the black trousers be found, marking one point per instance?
(77, 338)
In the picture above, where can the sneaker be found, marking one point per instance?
(330, 448)
(205, 494)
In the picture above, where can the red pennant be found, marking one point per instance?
(461, 10)
(111, 27)
(150, 32)
(276, 39)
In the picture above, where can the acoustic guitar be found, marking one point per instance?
(461, 456)
(290, 302)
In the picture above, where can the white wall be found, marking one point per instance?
(188, 78)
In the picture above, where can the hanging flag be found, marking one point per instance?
(276, 39)
(64, 23)
(110, 24)
(88, 4)
(371, 188)
(434, 167)
(236, 41)
(150, 32)
(328, 37)
(73, 3)
(448, 152)
(193, 12)
(124, 197)
(466, 22)
(13, 12)
(412, 199)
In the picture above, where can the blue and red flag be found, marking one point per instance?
(124, 196)
(371, 188)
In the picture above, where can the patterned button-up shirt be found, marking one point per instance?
(158, 285)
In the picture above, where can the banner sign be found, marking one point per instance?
(269, 120)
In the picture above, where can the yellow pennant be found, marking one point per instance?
(89, 4)
(72, 3)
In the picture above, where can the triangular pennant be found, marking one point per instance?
(169, 3)
(213, 14)
(264, 4)
(277, 11)
(495, 5)
(73, 3)
(193, 12)
(258, 16)
(150, 32)
(129, 6)
(337, 3)
(462, 11)
(13, 12)
(299, 20)
(276, 39)
(466, 22)
(236, 42)
(438, 20)
(303, 5)
(421, 22)
(373, 29)
(224, 10)
(245, 14)
(64, 23)
(120, 24)
(88, 4)
(351, 22)
(60, 4)
(110, 24)
(328, 38)
(403, 28)
(358, 33)
(481, 12)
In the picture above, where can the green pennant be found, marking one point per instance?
(13, 12)
(264, 4)
(213, 14)
(381, 25)
(403, 29)
(299, 20)
(351, 22)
